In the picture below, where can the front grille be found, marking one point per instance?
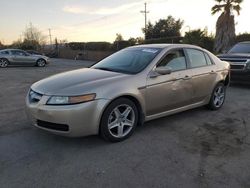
(237, 67)
(53, 126)
(234, 60)
(34, 97)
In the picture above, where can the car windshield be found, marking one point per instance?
(128, 61)
(240, 48)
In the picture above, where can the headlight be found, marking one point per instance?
(63, 100)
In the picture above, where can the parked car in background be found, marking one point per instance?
(134, 85)
(20, 57)
(239, 59)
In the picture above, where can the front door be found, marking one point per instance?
(172, 91)
(21, 58)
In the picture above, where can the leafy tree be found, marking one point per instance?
(1, 45)
(118, 37)
(30, 45)
(199, 37)
(243, 37)
(149, 31)
(132, 41)
(194, 37)
(139, 40)
(225, 25)
(163, 28)
(33, 38)
(16, 44)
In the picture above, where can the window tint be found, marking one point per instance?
(196, 57)
(209, 62)
(18, 52)
(4, 52)
(175, 60)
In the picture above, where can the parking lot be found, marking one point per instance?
(197, 148)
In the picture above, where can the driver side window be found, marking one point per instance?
(175, 59)
(18, 53)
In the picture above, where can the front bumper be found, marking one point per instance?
(78, 120)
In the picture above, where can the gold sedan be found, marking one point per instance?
(134, 85)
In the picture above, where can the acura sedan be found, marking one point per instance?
(134, 85)
(20, 57)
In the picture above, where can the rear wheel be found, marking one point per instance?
(40, 63)
(218, 97)
(4, 63)
(119, 120)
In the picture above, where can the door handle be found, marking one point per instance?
(212, 72)
(187, 77)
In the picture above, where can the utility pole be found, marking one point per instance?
(50, 37)
(145, 12)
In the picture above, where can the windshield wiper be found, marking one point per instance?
(113, 70)
(105, 68)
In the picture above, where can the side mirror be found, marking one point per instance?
(163, 70)
(160, 71)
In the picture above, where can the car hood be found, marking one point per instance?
(77, 82)
(235, 55)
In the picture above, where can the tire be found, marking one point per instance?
(4, 63)
(40, 63)
(119, 120)
(218, 97)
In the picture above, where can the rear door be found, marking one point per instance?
(172, 91)
(203, 73)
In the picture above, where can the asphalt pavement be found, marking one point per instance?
(197, 148)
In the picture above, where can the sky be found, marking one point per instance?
(100, 20)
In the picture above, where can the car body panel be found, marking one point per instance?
(168, 92)
(157, 96)
(82, 119)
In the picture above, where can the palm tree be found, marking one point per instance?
(225, 26)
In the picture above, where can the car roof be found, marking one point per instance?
(166, 46)
(10, 49)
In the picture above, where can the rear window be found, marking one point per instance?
(209, 61)
(197, 58)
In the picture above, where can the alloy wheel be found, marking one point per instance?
(219, 96)
(121, 121)
(3, 63)
(41, 63)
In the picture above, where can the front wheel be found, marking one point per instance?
(119, 120)
(218, 97)
(40, 63)
(4, 63)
